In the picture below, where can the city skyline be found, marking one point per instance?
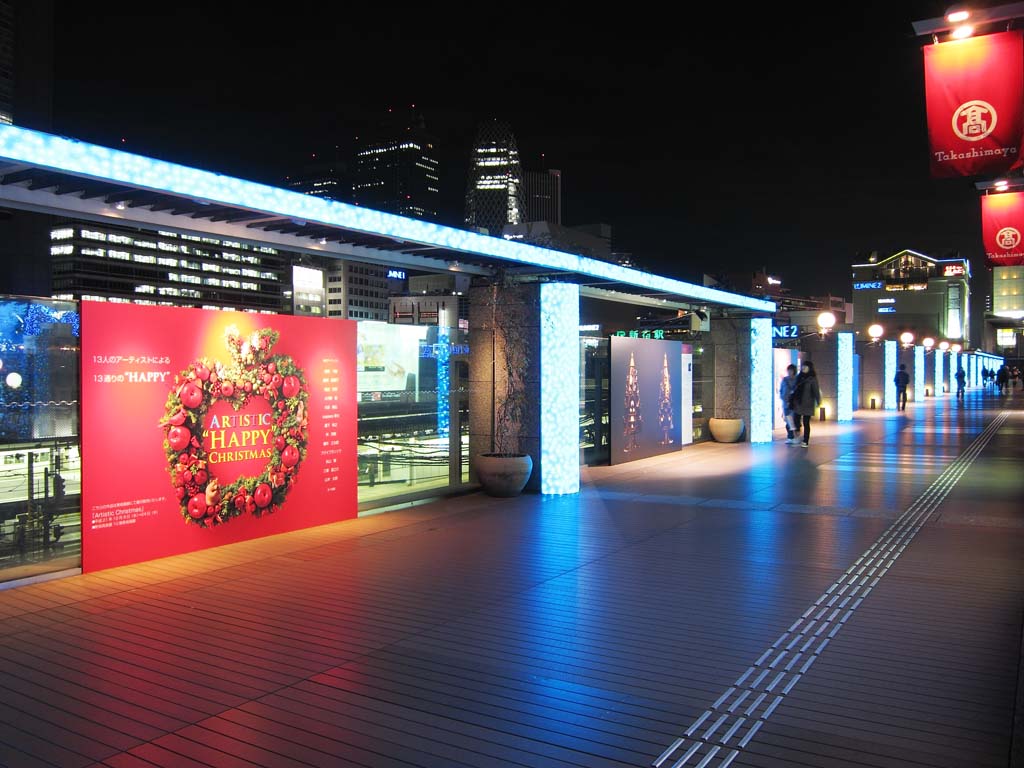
(739, 147)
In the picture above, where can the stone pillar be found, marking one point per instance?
(824, 353)
(743, 374)
(511, 327)
(872, 375)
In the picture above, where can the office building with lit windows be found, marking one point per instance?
(398, 171)
(494, 195)
(327, 179)
(357, 291)
(101, 262)
(909, 291)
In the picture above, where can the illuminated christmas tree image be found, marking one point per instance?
(665, 406)
(632, 420)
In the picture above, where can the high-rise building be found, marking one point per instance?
(6, 61)
(26, 99)
(396, 169)
(322, 178)
(26, 63)
(357, 291)
(494, 195)
(102, 262)
(543, 196)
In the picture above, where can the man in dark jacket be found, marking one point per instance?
(806, 397)
(902, 381)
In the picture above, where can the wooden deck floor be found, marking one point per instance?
(597, 630)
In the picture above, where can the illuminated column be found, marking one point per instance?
(844, 382)
(889, 375)
(761, 385)
(940, 358)
(560, 387)
(954, 362)
(443, 374)
(918, 373)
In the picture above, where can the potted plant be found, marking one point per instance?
(505, 470)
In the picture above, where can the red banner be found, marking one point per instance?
(1002, 224)
(204, 428)
(974, 90)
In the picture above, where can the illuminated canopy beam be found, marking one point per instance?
(63, 155)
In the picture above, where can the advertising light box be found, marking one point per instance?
(202, 428)
(646, 398)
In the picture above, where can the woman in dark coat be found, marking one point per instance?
(806, 397)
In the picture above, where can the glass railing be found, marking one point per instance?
(413, 420)
(40, 463)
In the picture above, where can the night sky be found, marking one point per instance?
(795, 143)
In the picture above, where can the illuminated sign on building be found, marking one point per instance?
(658, 334)
(1006, 337)
(869, 286)
(785, 332)
(908, 287)
(396, 274)
(952, 270)
(887, 301)
(887, 310)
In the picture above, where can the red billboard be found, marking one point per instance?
(974, 92)
(202, 428)
(1002, 222)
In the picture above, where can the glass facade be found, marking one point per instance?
(40, 466)
(100, 262)
(413, 425)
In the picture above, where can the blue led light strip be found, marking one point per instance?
(762, 390)
(443, 380)
(560, 388)
(844, 383)
(81, 159)
(889, 372)
(919, 374)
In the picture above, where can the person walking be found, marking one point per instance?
(902, 381)
(961, 379)
(1002, 378)
(806, 397)
(786, 388)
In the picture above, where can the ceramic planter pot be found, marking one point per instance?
(726, 430)
(503, 474)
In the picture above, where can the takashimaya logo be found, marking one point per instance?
(1007, 238)
(974, 120)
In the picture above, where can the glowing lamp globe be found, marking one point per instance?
(13, 380)
(943, 345)
(956, 348)
(928, 342)
(907, 338)
(957, 14)
(826, 320)
(876, 332)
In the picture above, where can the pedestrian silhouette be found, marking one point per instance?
(902, 380)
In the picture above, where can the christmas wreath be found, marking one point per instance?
(252, 373)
